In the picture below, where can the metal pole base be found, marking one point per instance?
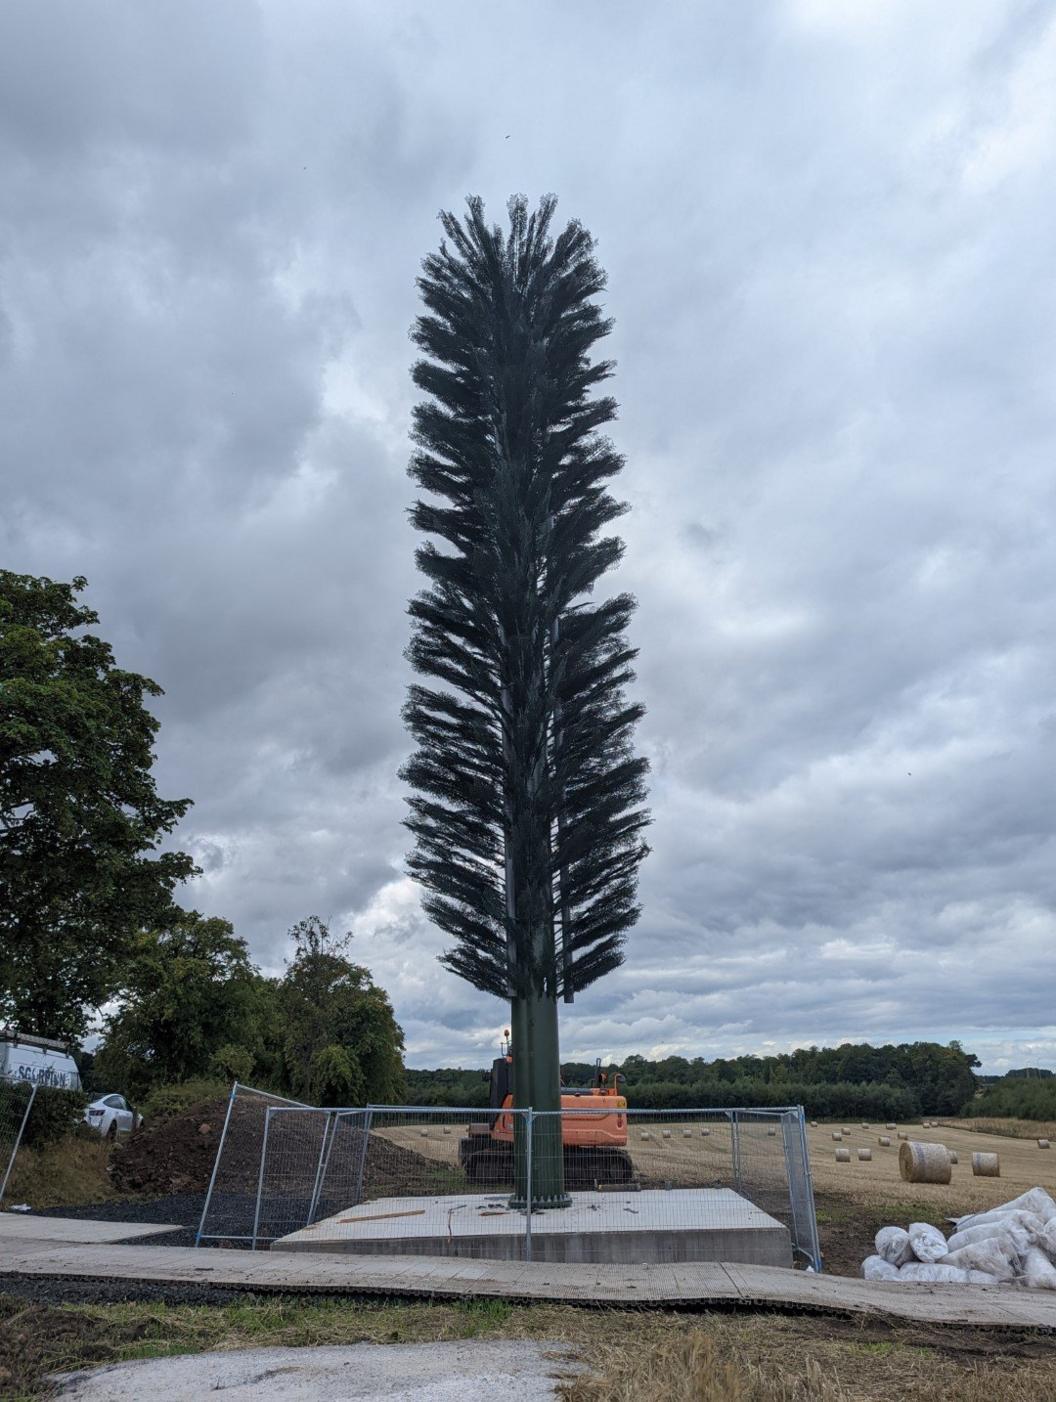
(519, 1203)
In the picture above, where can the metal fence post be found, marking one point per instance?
(808, 1192)
(361, 1167)
(18, 1140)
(529, 1117)
(329, 1130)
(216, 1165)
(735, 1147)
(260, 1176)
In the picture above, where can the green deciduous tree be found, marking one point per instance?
(341, 1044)
(526, 789)
(80, 819)
(190, 1006)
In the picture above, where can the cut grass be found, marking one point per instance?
(640, 1354)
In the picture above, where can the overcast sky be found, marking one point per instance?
(828, 228)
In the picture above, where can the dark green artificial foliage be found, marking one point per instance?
(527, 793)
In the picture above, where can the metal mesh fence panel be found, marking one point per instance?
(230, 1207)
(419, 1181)
(639, 1185)
(16, 1104)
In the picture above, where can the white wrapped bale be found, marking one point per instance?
(927, 1242)
(989, 1255)
(876, 1268)
(1034, 1200)
(986, 1165)
(919, 1162)
(843, 1155)
(1038, 1271)
(1046, 1239)
(892, 1245)
(942, 1274)
(997, 1217)
(1013, 1237)
(865, 1155)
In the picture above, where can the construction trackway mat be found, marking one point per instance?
(446, 1277)
(16, 1227)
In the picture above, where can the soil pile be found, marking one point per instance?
(171, 1156)
(176, 1155)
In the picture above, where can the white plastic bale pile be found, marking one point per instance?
(1011, 1244)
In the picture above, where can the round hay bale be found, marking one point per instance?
(865, 1124)
(646, 1134)
(813, 1124)
(885, 1141)
(845, 1130)
(704, 1133)
(424, 1133)
(771, 1132)
(665, 1134)
(902, 1134)
(892, 1125)
(986, 1165)
(923, 1163)
(1043, 1143)
(865, 1155)
(687, 1134)
(953, 1156)
(447, 1129)
(837, 1135)
(843, 1155)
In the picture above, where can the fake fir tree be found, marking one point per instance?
(527, 793)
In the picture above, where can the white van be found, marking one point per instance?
(41, 1061)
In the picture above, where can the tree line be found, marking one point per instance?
(855, 1079)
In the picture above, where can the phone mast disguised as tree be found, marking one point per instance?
(526, 804)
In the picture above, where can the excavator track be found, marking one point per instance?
(492, 1167)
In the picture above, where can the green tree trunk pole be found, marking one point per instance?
(537, 1084)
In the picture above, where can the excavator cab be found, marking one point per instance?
(593, 1130)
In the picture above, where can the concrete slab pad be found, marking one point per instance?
(622, 1228)
(444, 1372)
(24, 1226)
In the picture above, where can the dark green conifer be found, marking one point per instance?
(527, 794)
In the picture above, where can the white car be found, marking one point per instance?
(112, 1115)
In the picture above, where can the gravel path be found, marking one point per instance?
(184, 1208)
(445, 1372)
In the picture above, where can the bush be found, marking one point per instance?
(55, 1112)
(1017, 1099)
(231, 1063)
(167, 1101)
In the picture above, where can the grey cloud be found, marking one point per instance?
(825, 228)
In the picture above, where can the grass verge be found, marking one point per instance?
(631, 1354)
(73, 1170)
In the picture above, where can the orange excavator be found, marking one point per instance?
(594, 1143)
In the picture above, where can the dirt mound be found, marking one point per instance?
(176, 1155)
(171, 1156)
